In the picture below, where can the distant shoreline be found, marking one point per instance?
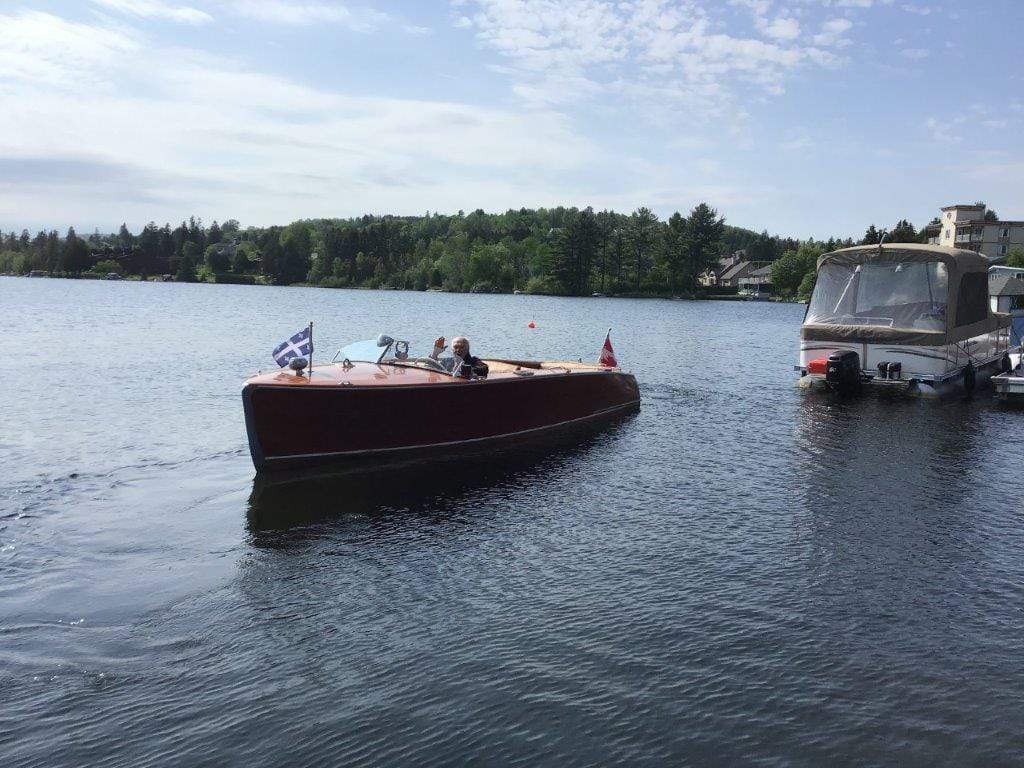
(663, 296)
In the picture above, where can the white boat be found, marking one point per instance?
(902, 315)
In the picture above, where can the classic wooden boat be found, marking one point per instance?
(375, 399)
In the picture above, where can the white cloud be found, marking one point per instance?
(945, 130)
(563, 51)
(783, 29)
(832, 32)
(157, 9)
(202, 138)
(45, 49)
(300, 14)
(920, 10)
(915, 53)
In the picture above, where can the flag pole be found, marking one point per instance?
(311, 350)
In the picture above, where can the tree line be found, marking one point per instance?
(561, 250)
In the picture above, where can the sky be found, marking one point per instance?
(808, 118)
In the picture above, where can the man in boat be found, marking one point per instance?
(471, 366)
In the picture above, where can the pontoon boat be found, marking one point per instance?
(915, 317)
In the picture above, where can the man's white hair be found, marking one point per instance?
(458, 339)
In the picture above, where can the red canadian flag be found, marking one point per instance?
(607, 353)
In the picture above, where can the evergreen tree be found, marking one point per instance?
(703, 237)
(674, 248)
(642, 233)
(871, 236)
(150, 258)
(243, 259)
(186, 272)
(216, 260)
(903, 232)
(214, 235)
(124, 238)
(75, 256)
(763, 247)
(293, 264)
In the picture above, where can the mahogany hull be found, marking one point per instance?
(292, 425)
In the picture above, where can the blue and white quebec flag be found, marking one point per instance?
(299, 345)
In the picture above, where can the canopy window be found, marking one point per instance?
(972, 301)
(887, 294)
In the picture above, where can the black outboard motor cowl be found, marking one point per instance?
(842, 372)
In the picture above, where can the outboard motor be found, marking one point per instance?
(843, 371)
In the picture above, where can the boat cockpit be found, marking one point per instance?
(384, 350)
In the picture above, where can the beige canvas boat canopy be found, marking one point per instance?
(901, 293)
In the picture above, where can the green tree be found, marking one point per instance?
(673, 248)
(642, 237)
(764, 247)
(293, 266)
(75, 256)
(107, 266)
(186, 272)
(903, 232)
(790, 269)
(871, 236)
(124, 237)
(1015, 257)
(216, 259)
(703, 239)
(244, 258)
(229, 229)
(807, 285)
(574, 251)
(484, 271)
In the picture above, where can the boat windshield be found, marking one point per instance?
(384, 349)
(889, 294)
(366, 351)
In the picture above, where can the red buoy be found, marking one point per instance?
(531, 324)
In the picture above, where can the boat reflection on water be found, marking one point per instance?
(442, 485)
(884, 497)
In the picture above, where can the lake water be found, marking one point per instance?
(741, 573)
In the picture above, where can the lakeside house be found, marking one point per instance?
(735, 271)
(1006, 289)
(758, 280)
(227, 247)
(966, 226)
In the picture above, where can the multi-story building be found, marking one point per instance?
(965, 226)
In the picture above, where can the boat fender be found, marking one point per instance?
(970, 378)
(1005, 365)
